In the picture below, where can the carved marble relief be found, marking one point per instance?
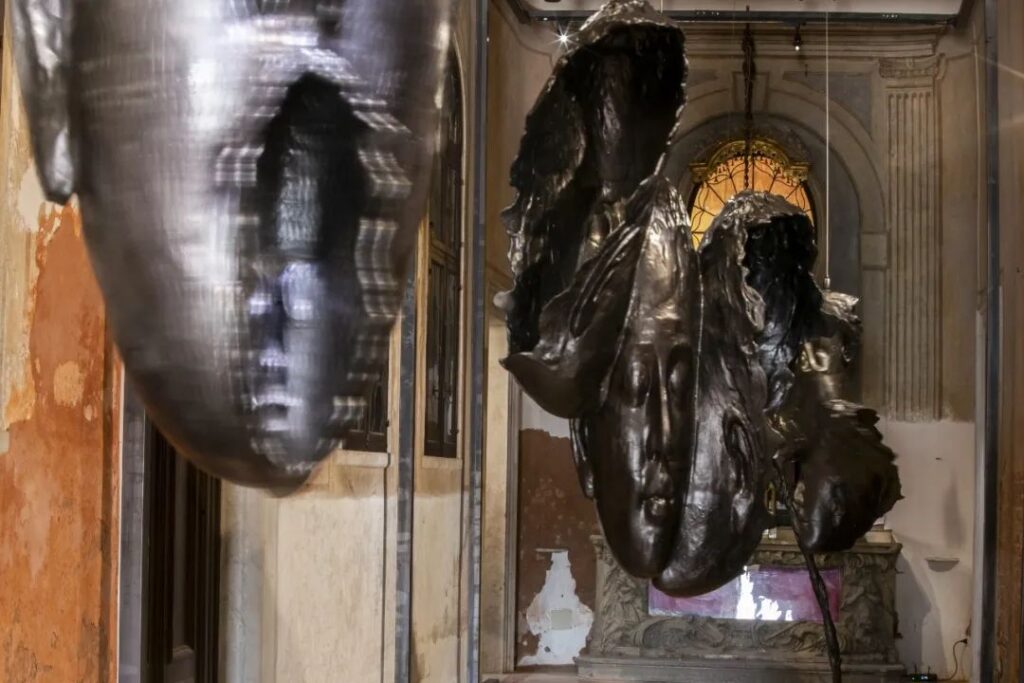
(867, 624)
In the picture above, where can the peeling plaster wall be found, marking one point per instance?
(557, 567)
(60, 388)
(557, 617)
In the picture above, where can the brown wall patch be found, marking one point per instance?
(57, 481)
(553, 514)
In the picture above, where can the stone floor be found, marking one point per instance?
(531, 678)
(537, 677)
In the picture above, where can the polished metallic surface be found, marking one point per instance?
(637, 442)
(250, 175)
(842, 476)
(693, 378)
(724, 512)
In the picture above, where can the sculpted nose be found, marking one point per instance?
(660, 426)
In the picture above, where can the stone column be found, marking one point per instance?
(913, 294)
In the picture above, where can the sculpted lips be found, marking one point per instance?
(657, 496)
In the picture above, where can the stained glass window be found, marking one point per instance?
(724, 177)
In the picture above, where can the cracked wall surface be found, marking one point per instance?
(59, 385)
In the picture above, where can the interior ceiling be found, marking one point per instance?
(852, 10)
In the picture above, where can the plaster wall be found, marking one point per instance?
(59, 397)
(303, 594)
(935, 524)
(930, 410)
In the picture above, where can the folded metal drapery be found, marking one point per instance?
(250, 177)
(693, 377)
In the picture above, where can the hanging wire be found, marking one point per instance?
(749, 76)
(828, 157)
(732, 41)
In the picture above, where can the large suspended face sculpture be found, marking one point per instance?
(250, 175)
(597, 326)
(637, 441)
(692, 378)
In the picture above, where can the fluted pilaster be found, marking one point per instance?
(913, 282)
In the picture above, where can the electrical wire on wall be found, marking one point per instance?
(956, 661)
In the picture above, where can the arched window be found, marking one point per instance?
(722, 176)
(443, 310)
(444, 278)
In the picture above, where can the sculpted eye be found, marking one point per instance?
(680, 378)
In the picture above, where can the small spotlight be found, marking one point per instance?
(563, 36)
(798, 41)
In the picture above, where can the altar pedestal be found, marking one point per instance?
(761, 628)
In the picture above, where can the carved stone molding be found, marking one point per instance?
(910, 68)
(866, 626)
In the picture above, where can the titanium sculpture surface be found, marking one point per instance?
(250, 176)
(693, 378)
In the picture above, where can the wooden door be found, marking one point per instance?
(182, 563)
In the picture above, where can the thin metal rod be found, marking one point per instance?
(749, 77)
(477, 402)
(835, 658)
(993, 330)
(406, 481)
(131, 605)
(828, 157)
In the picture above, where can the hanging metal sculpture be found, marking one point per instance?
(250, 176)
(693, 378)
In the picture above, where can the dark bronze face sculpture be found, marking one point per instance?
(600, 127)
(724, 516)
(250, 177)
(692, 378)
(597, 327)
(638, 441)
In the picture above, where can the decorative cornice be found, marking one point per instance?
(910, 68)
(722, 12)
(851, 42)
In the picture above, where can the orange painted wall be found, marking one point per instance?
(59, 429)
(58, 483)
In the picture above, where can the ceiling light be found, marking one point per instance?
(563, 35)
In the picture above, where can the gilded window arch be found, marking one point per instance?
(722, 176)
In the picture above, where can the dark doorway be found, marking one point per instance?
(181, 568)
